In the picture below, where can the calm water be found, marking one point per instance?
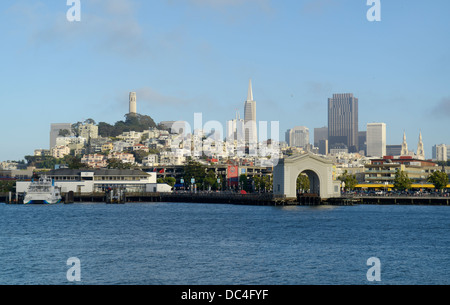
(176, 243)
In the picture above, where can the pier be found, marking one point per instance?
(261, 199)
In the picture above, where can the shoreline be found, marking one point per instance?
(257, 199)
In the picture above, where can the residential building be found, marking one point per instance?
(88, 131)
(42, 153)
(124, 157)
(60, 152)
(95, 160)
(55, 131)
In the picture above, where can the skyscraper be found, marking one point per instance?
(376, 140)
(133, 104)
(320, 134)
(251, 134)
(343, 121)
(298, 136)
(235, 129)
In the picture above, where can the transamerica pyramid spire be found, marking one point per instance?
(250, 91)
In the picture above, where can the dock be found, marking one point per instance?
(260, 199)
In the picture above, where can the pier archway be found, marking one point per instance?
(318, 169)
(308, 182)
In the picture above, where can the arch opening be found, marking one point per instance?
(308, 187)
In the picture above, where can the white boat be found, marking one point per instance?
(42, 191)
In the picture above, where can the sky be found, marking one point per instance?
(197, 56)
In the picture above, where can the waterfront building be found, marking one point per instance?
(376, 140)
(381, 171)
(251, 134)
(97, 180)
(343, 121)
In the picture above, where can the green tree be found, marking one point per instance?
(105, 130)
(211, 180)
(74, 162)
(349, 180)
(170, 181)
(7, 186)
(139, 155)
(303, 183)
(402, 181)
(196, 170)
(439, 179)
(64, 133)
(118, 164)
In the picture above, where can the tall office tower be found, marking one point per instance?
(55, 129)
(376, 140)
(420, 150)
(362, 142)
(320, 134)
(133, 104)
(298, 136)
(251, 134)
(440, 152)
(393, 150)
(343, 121)
(404, 151)
(235, 129)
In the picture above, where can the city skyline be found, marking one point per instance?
(195, 56)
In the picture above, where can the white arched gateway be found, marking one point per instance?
(318, 169)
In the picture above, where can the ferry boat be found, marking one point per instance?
(42, 191)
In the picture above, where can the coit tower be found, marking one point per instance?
(133, 103)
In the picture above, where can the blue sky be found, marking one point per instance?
(187, 56)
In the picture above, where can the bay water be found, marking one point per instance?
(209, 244)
